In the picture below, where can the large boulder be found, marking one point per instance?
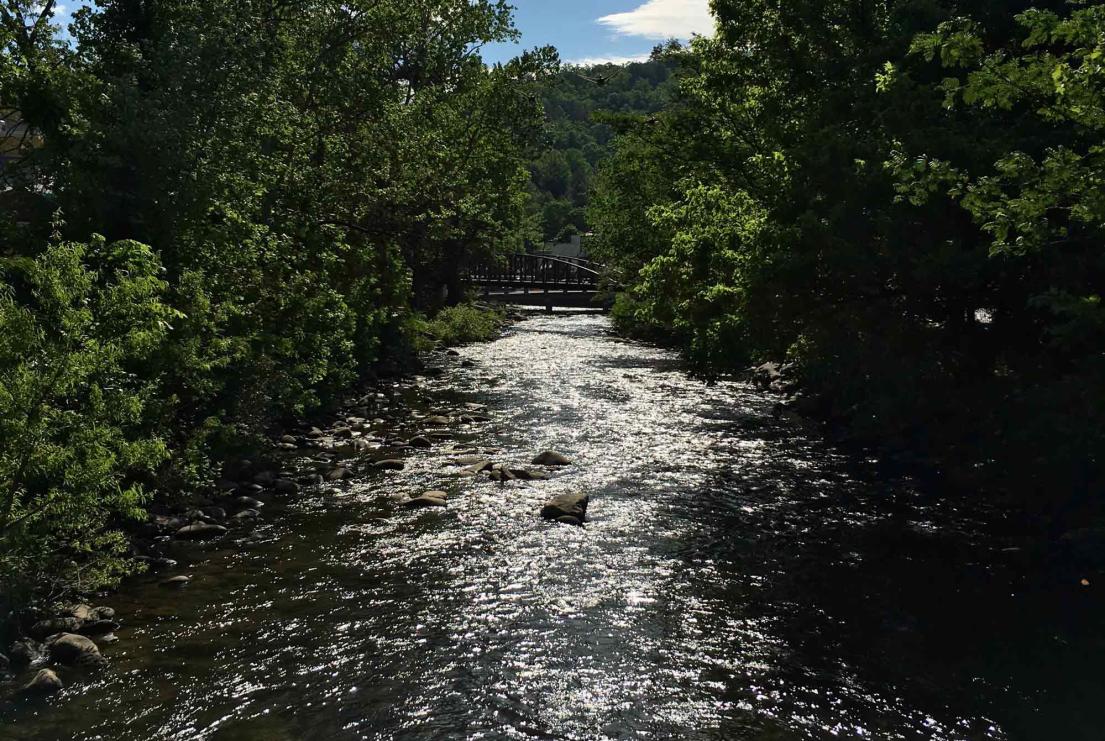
(74, 650)
(566, 505)
(42, 684)
(551, 458)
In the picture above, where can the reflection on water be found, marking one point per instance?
(739, 580)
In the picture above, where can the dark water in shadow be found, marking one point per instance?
(739, 579)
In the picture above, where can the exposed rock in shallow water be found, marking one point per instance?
(525, 474)
(44, 683)
(420, 442)
(390, 465)
(99, 628)
(438, 420)
(200, 531)
(249, 503)
(287, 486)
(177, 582)
(23, 653)
(265, 478)
(479, 467)
(43, 628)
(566, 505)
(74, 650)
(4, 663)
(569, 520)
(551, 458)
(215, 513)
(429, 499)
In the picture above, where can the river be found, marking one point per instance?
(739, 579)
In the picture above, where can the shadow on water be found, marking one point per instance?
(740, 579)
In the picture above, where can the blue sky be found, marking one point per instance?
(593, 31)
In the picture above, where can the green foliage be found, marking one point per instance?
(77, 324)
(463, 324)
(903, 198)
(306, 174)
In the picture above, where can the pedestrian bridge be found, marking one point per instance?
(539, 280)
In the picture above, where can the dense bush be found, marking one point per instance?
(78, 325)
(464, 323)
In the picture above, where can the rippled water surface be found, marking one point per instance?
(738, 579)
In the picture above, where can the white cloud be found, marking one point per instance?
(664, 19)
(593, 61)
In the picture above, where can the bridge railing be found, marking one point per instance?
(536, 271)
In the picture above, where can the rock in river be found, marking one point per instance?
(200, 531)
(43, 683)
(177, 582)
(286, 486)
(566, 505)
(99, 627)
(23, 653)
(391, 465)
(71, 649)
(420, 442)
(551, 458)
(43, 628)
(429, 499)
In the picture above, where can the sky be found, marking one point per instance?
(585, 31)
(596, 31)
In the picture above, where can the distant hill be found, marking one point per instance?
(576, 142)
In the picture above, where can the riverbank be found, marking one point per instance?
(321, 451)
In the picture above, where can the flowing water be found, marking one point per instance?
(738, 579)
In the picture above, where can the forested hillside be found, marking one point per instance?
(581, 103)
(225, 218)
(901, 200)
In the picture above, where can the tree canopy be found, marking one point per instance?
(902, 200)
